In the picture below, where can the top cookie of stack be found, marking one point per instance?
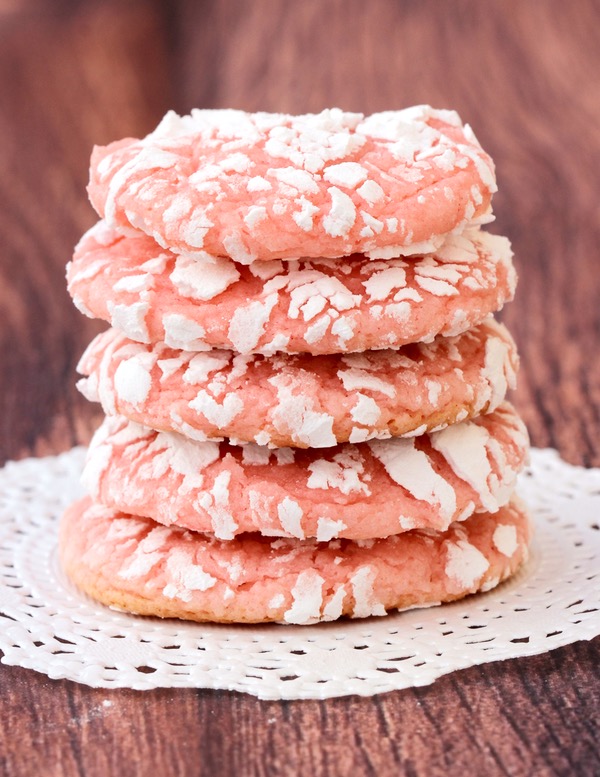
(269, 186)
(301, 281)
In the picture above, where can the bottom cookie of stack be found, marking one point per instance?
(135, 564)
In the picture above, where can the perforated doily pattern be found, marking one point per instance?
(49, 626)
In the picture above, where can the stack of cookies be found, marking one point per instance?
(303, 382)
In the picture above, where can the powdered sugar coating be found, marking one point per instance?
(264, 186)
(312, 306)
(355, 491)
(303, 400)
(135, 564)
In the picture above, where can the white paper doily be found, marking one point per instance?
(47, 625)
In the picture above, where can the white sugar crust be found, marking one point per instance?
(311, 306)
(136, 565)
(263, 186)
(302, 401)
(357, 491)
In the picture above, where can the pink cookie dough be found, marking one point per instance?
(136, 565)
(302, 401)
(354, 491)
(272, 186)
(307, 306)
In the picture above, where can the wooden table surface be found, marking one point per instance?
(526, 75)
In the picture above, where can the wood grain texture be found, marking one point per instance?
(525, 75)
(79, 75)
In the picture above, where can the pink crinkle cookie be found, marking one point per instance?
(272, 186)
(136, 565)
(354, 491)
(301, 400)
(308, 306)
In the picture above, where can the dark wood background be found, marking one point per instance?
(526, 75)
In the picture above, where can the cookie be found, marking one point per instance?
(310, 306)
(136, 565)
(272, 186)
(301, 400)
(354, 491)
